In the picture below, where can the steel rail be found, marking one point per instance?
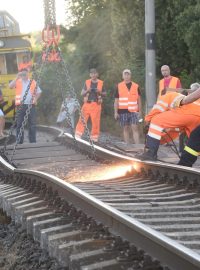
(173, 170)
(159, 246)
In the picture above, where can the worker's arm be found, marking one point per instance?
(116, 106)
(12, 84)
(37, 95)
(191, 98)
(85, 91)
(183, 100)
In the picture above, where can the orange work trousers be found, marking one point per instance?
(172, 119)
(92, 110)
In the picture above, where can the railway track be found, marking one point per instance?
(152, 209)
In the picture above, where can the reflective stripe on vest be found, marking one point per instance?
(99, 84)
(172, 84)
(19, 88)
(163, 104)
(128, 99)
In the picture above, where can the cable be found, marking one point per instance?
(175, 150)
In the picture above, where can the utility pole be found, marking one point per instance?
(150, 67)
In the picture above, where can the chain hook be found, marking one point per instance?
(51, 39)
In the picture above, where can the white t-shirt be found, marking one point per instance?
(29, 95)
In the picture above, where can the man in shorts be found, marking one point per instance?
(127, 106)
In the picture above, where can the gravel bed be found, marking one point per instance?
(18, 251)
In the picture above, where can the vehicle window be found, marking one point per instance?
(11, 63)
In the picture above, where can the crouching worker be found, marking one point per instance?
(166, 115)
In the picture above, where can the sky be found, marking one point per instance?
(30, 13)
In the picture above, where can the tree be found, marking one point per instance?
(177, 28)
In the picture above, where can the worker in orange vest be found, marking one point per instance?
(127, 106)
(21, 84)
(26, 64)
(92, 93)
(168, 81)
(187, 118)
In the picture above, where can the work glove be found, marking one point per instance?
(177, 102)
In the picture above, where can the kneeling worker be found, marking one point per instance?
(186, 117)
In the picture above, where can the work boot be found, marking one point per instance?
(152, 146)
(187, 159)
(148, 155)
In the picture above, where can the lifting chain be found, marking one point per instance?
(49, 13)
(71, 91)
(15, 121)
(37, 75)
(50, 53)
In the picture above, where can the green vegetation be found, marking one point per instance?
(109, 35)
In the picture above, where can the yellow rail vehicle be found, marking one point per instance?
(13, 48)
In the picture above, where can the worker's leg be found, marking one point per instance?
(32, 125)
(133, 120)
(126, 130)
(125, 124)
(169, 119)
(173, 119)
(153, 139)
(20, 118)
(72, 117)
(135, 131)
(192, 149)
(95, 115)
(158, 123)
(80, 127)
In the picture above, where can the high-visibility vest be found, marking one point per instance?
(164, 103)
(128, 99)
(99, 84)
(18, 90)
(172, 84)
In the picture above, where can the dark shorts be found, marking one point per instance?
(128, 118)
